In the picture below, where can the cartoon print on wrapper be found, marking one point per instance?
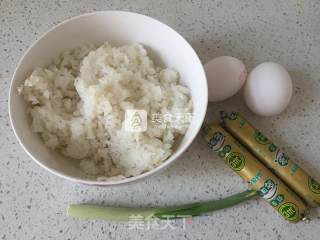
(269, 189)
(282, 159)
(233, 116)
(216, 141)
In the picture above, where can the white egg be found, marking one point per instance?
(225, 76)
(268, 89)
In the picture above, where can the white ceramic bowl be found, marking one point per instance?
(117, 27)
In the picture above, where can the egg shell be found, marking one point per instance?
(268, 89)
(225, 76)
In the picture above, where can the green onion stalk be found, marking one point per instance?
(89, 211)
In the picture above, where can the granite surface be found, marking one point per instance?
(33, 201)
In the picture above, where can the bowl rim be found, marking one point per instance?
(153, 171)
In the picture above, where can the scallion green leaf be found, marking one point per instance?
(188, 210)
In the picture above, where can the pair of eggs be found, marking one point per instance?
(267, 89)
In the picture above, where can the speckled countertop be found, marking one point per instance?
(33, 202)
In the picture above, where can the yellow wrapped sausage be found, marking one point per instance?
(287, 203)
(273, 157)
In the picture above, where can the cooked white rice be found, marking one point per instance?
(78, 107)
